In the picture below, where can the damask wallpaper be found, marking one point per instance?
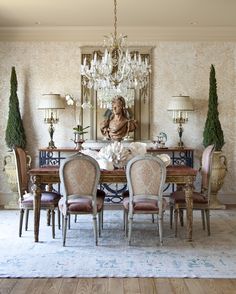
(177, 68)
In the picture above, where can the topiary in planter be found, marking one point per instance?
(213, 133)
(15, 133)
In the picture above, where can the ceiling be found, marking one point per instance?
(131, 13)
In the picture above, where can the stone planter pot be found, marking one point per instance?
(10, 172)
(219, 170)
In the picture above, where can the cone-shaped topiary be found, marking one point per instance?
(213, 133)
(15, 133)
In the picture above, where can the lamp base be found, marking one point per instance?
(51, 130)
(51, 145)
(180, 144)
(180, 132)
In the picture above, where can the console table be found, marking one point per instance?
(179, 156)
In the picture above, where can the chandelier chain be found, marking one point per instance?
(117, 72)
(115, 20)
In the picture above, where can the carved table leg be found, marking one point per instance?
(37, 204)
(189, 207)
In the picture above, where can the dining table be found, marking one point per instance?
(180, 175)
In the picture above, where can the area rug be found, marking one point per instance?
(206, 257)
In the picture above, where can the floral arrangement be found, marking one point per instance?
(115, 153)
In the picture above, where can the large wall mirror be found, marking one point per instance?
(140, 111)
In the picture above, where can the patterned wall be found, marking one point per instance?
(178, 68)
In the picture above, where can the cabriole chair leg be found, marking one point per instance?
(48, 216)
(130, 229)
(176, 213)
(21, 222)
(59, 218)
(181, 217)
(160, 225)
(69, 221)
(53, 223)
(95, 230)
(207, 212)
(99, 223)
(203, 219)
(126, 224)
(171, 216)
(153, 218)
(26, 219)
(64, 229)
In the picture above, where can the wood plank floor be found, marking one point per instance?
(117, 286)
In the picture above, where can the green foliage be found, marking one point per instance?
(213, 133)
(79, 129)
(15, 133)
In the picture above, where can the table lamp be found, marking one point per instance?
(50, 103)
(180, 106)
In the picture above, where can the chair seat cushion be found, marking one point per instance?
(82, 204)
(144, 204)
(47, 199)
(179, 197)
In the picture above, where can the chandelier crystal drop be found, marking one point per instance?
(117, 71)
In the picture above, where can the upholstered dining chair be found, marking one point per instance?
(201, 200)
(79, 175)
(146, 176)
(49, 200)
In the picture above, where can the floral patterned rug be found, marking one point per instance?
(205, 257)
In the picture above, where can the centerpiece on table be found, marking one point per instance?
(113, 155)
(116, 155)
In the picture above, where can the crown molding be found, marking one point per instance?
(135, 34)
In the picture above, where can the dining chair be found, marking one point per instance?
(201, 200)
(49, 200)
(146, 176)
(79, 175)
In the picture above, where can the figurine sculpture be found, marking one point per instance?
(118, 124)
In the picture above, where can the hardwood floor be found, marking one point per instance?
(117, 286)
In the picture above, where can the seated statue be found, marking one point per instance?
(118, 124)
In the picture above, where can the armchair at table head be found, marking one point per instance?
(146, 176)
(80, 174)
(49, 200)
(201, 200)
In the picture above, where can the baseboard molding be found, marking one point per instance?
(9, 200)
(227, 199)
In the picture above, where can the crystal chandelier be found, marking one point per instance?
(117, 71)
